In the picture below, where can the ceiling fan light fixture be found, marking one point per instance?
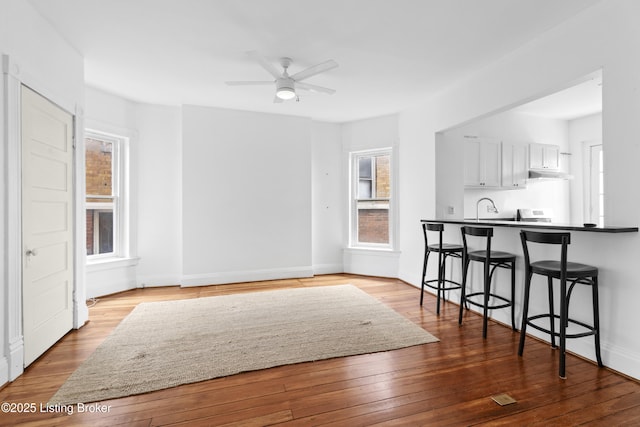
(286, 93)
(285, 89)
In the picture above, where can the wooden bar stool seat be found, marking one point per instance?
(571, 273)
(444, 250)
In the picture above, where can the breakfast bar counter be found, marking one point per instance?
(551, 226)
(611, 249)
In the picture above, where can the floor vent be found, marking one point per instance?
(503, 399)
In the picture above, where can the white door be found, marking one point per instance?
(47, 223)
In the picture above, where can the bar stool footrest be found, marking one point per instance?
(591, 329)
(490, 307)
(454, 285)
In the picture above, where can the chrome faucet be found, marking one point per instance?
(492, 208)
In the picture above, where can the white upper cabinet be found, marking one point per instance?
(482, 166)
(544, 156)
(515, 169)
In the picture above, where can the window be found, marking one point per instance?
(371, 198)
(103, 194)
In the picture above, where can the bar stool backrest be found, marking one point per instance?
(563, 239)
(476, 232)
(432, 226)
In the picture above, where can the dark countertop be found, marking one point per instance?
(543, 225)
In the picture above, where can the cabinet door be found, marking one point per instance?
(472, 163)
(551, 157)
(520, 166)
(482, 163)
(514, 166)
(491, 155)
(544, 156)
(507, 165)
(536, 156)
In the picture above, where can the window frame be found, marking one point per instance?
(116, 203)
(354, 182)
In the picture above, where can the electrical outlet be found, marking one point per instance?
(451, 210)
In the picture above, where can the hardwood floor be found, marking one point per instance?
(446, 383)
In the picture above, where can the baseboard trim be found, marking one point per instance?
(4, 371)
(101, 289)
(157, 281)
(15, 363)
(328, 269)
(245, 276)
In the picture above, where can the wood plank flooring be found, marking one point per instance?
(448, 383)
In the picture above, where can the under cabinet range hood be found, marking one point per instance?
(548, 174)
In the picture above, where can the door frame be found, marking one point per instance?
(587, 178)
(13, 77)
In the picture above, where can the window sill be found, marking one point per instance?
(365, 249)
(111, 263)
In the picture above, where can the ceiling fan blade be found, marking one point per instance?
(314, 88)
(249, 83)
(265, 64)
(316, 69)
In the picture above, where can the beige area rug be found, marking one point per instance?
(165, 344)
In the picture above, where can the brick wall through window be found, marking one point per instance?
(373, 225)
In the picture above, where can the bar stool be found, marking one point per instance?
(444, 251)
(564, 271)
(491, 260)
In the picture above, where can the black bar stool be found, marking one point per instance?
(444, 251)
(564, 271)
(491, 260)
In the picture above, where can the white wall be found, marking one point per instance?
(110, 112)
(45, 60)
(159, 195)
(246, 196)
(417, 186)
(605, 37)
(40, 58)
(328, 201)
(369, 134)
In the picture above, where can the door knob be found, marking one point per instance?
(32, 252)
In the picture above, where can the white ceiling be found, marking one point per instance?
(392, 53)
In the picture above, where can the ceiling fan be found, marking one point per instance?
(286, 85)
